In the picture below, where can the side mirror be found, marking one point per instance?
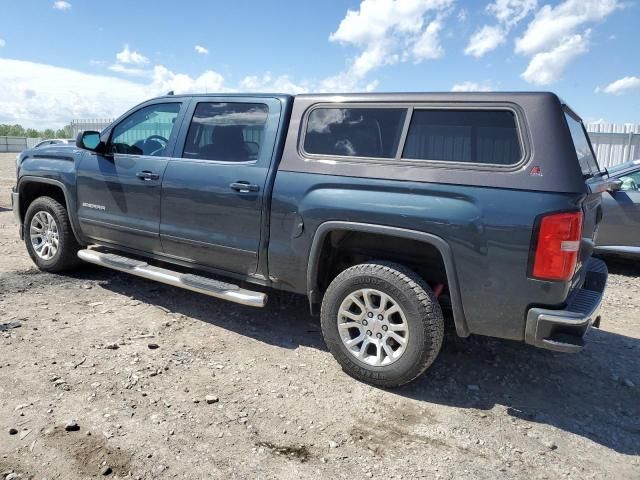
(89, 140)
(615, 184)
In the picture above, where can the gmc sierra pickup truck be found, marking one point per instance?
(385, 210)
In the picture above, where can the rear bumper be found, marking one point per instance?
(563, 330)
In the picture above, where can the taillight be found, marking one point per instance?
(557, 246)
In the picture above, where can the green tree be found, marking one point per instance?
(16, 130)
(32, 133)
(4, 129)
(49, 133)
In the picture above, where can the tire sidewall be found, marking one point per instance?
(39, 205)
(418, 343)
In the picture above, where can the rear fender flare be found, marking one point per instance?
(440, 244)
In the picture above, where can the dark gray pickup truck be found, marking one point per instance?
(385, 210)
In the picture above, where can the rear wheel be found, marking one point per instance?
(382, 323)
(48, 236)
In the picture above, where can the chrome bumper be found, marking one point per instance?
(563, 330)
(15, 204)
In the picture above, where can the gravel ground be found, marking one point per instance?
(111, 375)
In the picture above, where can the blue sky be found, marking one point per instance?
(76, 59)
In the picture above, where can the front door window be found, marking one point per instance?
(147, 131)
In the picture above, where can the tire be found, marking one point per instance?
(65, 256)
(420, 316)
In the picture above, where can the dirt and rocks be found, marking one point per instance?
(103, 375)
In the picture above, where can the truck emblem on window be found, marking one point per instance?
(94, 206)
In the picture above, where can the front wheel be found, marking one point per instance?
(382, 323)
(48, 236)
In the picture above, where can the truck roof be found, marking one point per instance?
(363, 96)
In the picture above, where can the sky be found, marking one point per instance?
(63, 60)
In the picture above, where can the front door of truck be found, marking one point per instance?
(119, 191)
(213, 190)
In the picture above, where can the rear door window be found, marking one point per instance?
(354, 132)
(467, 136)
(227, 132)
(582, 145)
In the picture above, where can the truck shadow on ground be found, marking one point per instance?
(594, 394)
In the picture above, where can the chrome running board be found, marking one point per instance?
(195, 283)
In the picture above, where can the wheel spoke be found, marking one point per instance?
(394, 308)
(351, 315)
(388, 350)
(397, 338)
(384, 300)
(397, 327)
(363, 347)
(366, 294)
(355, 341)
(348, 325)
(378, 353)
(358, 302)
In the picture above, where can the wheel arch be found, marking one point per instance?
(31, 188)
(314, 262)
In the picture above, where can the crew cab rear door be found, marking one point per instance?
(213, 191)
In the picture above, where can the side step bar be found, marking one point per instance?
(196, 283)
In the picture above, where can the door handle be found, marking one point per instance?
(147, 175)
(244, 187)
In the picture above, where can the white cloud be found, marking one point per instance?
(38, 95)
(269, 83)
(164, 80)
(42, 96)
(428, 46)
(201, 50)
(471, 87)
(552, 25)
(554, 37)
(391, 31)
(135, 72)
(547, 67)
(131, 56)
(620, 86)
(61, 5)
(510, 12)
(488, 38)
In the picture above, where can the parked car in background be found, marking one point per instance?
(56, 141)
(383, 209)
(619, 231)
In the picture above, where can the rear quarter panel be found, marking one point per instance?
(489, 231)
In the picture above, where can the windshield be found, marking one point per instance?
(581, 143)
